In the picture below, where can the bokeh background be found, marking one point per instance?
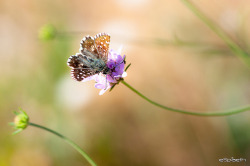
(176, 60)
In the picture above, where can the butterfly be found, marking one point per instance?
(92, 58)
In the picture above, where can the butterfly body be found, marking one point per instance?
(98, 65)
(92, 58)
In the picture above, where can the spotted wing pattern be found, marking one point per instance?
(88, 48)
(102, 41)
(79, 70)
(80, 74)
(74, 61)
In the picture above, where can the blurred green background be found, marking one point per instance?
(176, 60)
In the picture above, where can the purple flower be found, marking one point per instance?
(116, 64)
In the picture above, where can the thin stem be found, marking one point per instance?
(243, 55)
(223, 113)
(75, 146)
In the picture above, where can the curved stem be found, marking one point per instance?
(75, 146)
(224, 113)
(243, 55)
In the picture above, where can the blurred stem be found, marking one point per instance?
(243, 55)
(223, 113)
(75, 146)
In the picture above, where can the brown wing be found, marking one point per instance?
(79, 70)
(80, 74)
(88, 48)
(102, 41)
(75, 61)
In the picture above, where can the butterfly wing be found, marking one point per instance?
(88, 48)
(79, 70)
(75, 61)
(80, 74)
(101, 42)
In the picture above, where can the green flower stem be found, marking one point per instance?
(224, 113)
(75, 146)
(243, 55)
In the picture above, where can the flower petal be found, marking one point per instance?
(124, 74)
(89, 78)
(99, 86)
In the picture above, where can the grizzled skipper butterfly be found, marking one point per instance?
(92, 58)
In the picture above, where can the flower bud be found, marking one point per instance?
(47, 32)
(21, 121)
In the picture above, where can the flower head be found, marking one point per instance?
(116, 64)
(21, 121)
